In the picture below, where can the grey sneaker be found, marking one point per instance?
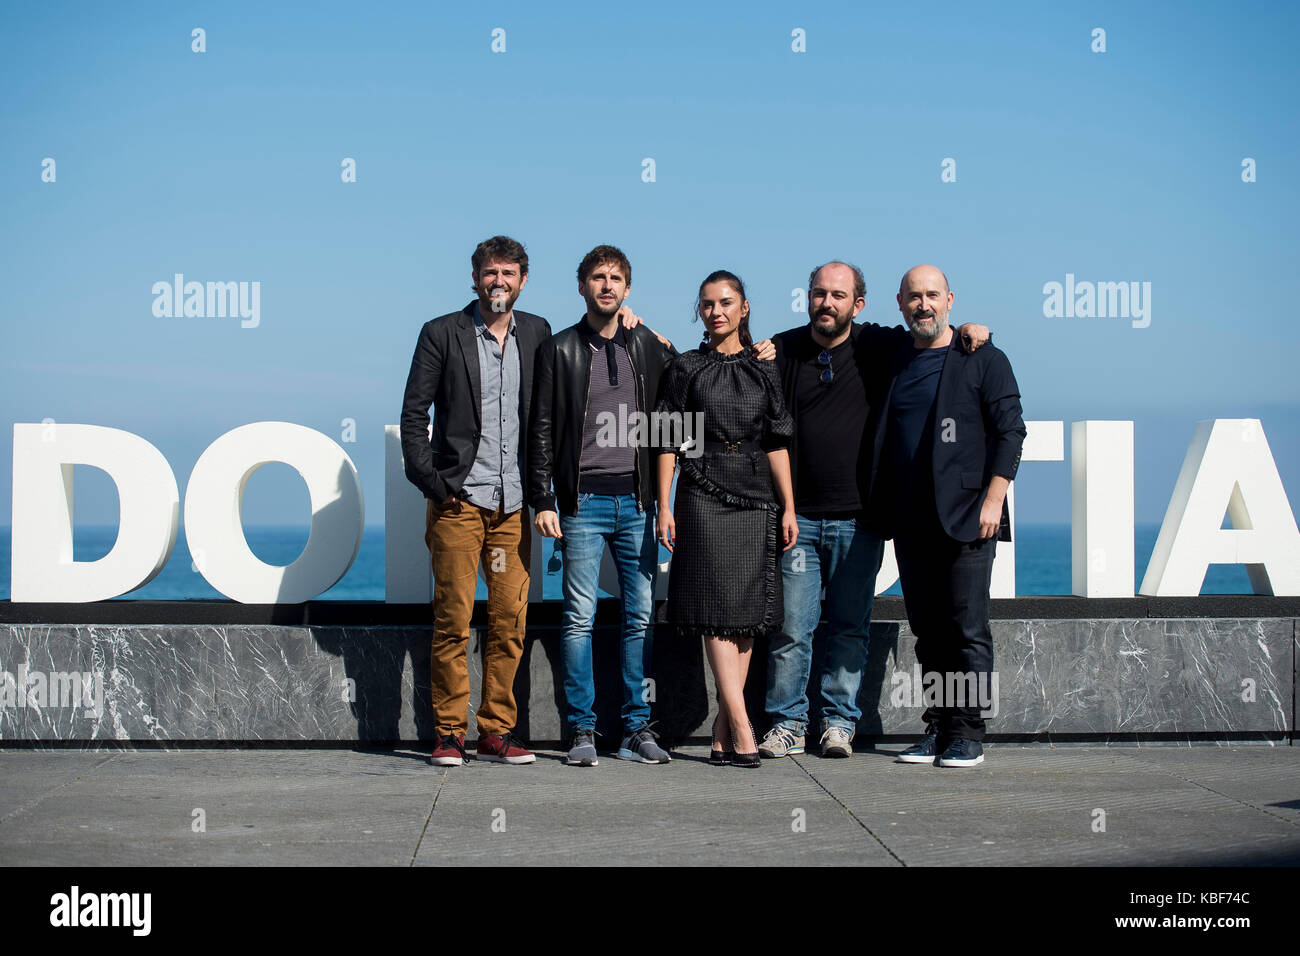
(582, 752)
(641, 747)
(781, 742)
(837, 741)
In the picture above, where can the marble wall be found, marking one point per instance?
(1100, 678)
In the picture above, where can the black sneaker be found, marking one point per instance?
(925, 751)
(962, 753)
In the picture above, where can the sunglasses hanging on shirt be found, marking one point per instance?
(828, 373)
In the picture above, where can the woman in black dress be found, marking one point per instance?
(735, 504)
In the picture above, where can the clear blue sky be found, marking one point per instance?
(1115, 166)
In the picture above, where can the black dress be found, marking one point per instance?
(725, 576)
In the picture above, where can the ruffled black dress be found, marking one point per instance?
(725, 576)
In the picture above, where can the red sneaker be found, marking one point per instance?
(450, 751)
(503, 749)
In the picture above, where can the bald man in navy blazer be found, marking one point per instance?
(948, 448)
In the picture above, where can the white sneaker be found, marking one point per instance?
(781, 742)
(837, 741)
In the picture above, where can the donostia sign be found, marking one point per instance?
(1228, 467)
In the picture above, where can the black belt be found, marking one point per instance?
(732, 447)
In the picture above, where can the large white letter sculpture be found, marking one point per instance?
(214, 498)
(407, 578)
(1044, 441)
(1101, 509)
(1229, 465)
(42, 564)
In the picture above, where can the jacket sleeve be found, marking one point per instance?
(541, 438)
(421, 388)
(889, 337)
(1004, 422)
(672, 403)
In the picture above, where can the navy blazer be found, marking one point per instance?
(978, 433)
(445, 374)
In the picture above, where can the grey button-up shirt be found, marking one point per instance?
(495, 475)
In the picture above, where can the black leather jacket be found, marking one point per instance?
(561, 382)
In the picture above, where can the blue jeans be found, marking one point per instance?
(630, 533)
(842, 556)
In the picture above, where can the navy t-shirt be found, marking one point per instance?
(911, 427)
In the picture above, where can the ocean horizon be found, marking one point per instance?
(1042, 563)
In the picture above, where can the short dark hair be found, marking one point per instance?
(859, 281)
(602, 254)
(501, 248)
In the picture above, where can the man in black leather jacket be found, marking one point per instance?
(591, 481)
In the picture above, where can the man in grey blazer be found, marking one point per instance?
(475, 368)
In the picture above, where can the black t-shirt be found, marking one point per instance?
(832, 422)
(911, 435)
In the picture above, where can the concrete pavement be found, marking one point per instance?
(1031, 804)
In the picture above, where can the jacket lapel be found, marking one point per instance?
(469, 352)
(950, 375)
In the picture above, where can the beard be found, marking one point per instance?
(839, 322)
(500, 304)
(597, 309)
(933, 332)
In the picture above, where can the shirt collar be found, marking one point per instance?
(480, 328)
(591, 337)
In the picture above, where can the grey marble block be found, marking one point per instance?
(1108, 677)
(286, 684)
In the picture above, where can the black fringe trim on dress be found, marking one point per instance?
(770, 582)
(692, 470)
(696, 630)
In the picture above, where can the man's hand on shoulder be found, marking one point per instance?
(973, 336)
(765, 351)
(547, 524)
(631, 320)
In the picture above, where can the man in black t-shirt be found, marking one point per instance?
(833, 372)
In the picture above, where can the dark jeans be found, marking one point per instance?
(946, 592)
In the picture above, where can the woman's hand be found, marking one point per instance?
(666, 529)
(789, 528)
